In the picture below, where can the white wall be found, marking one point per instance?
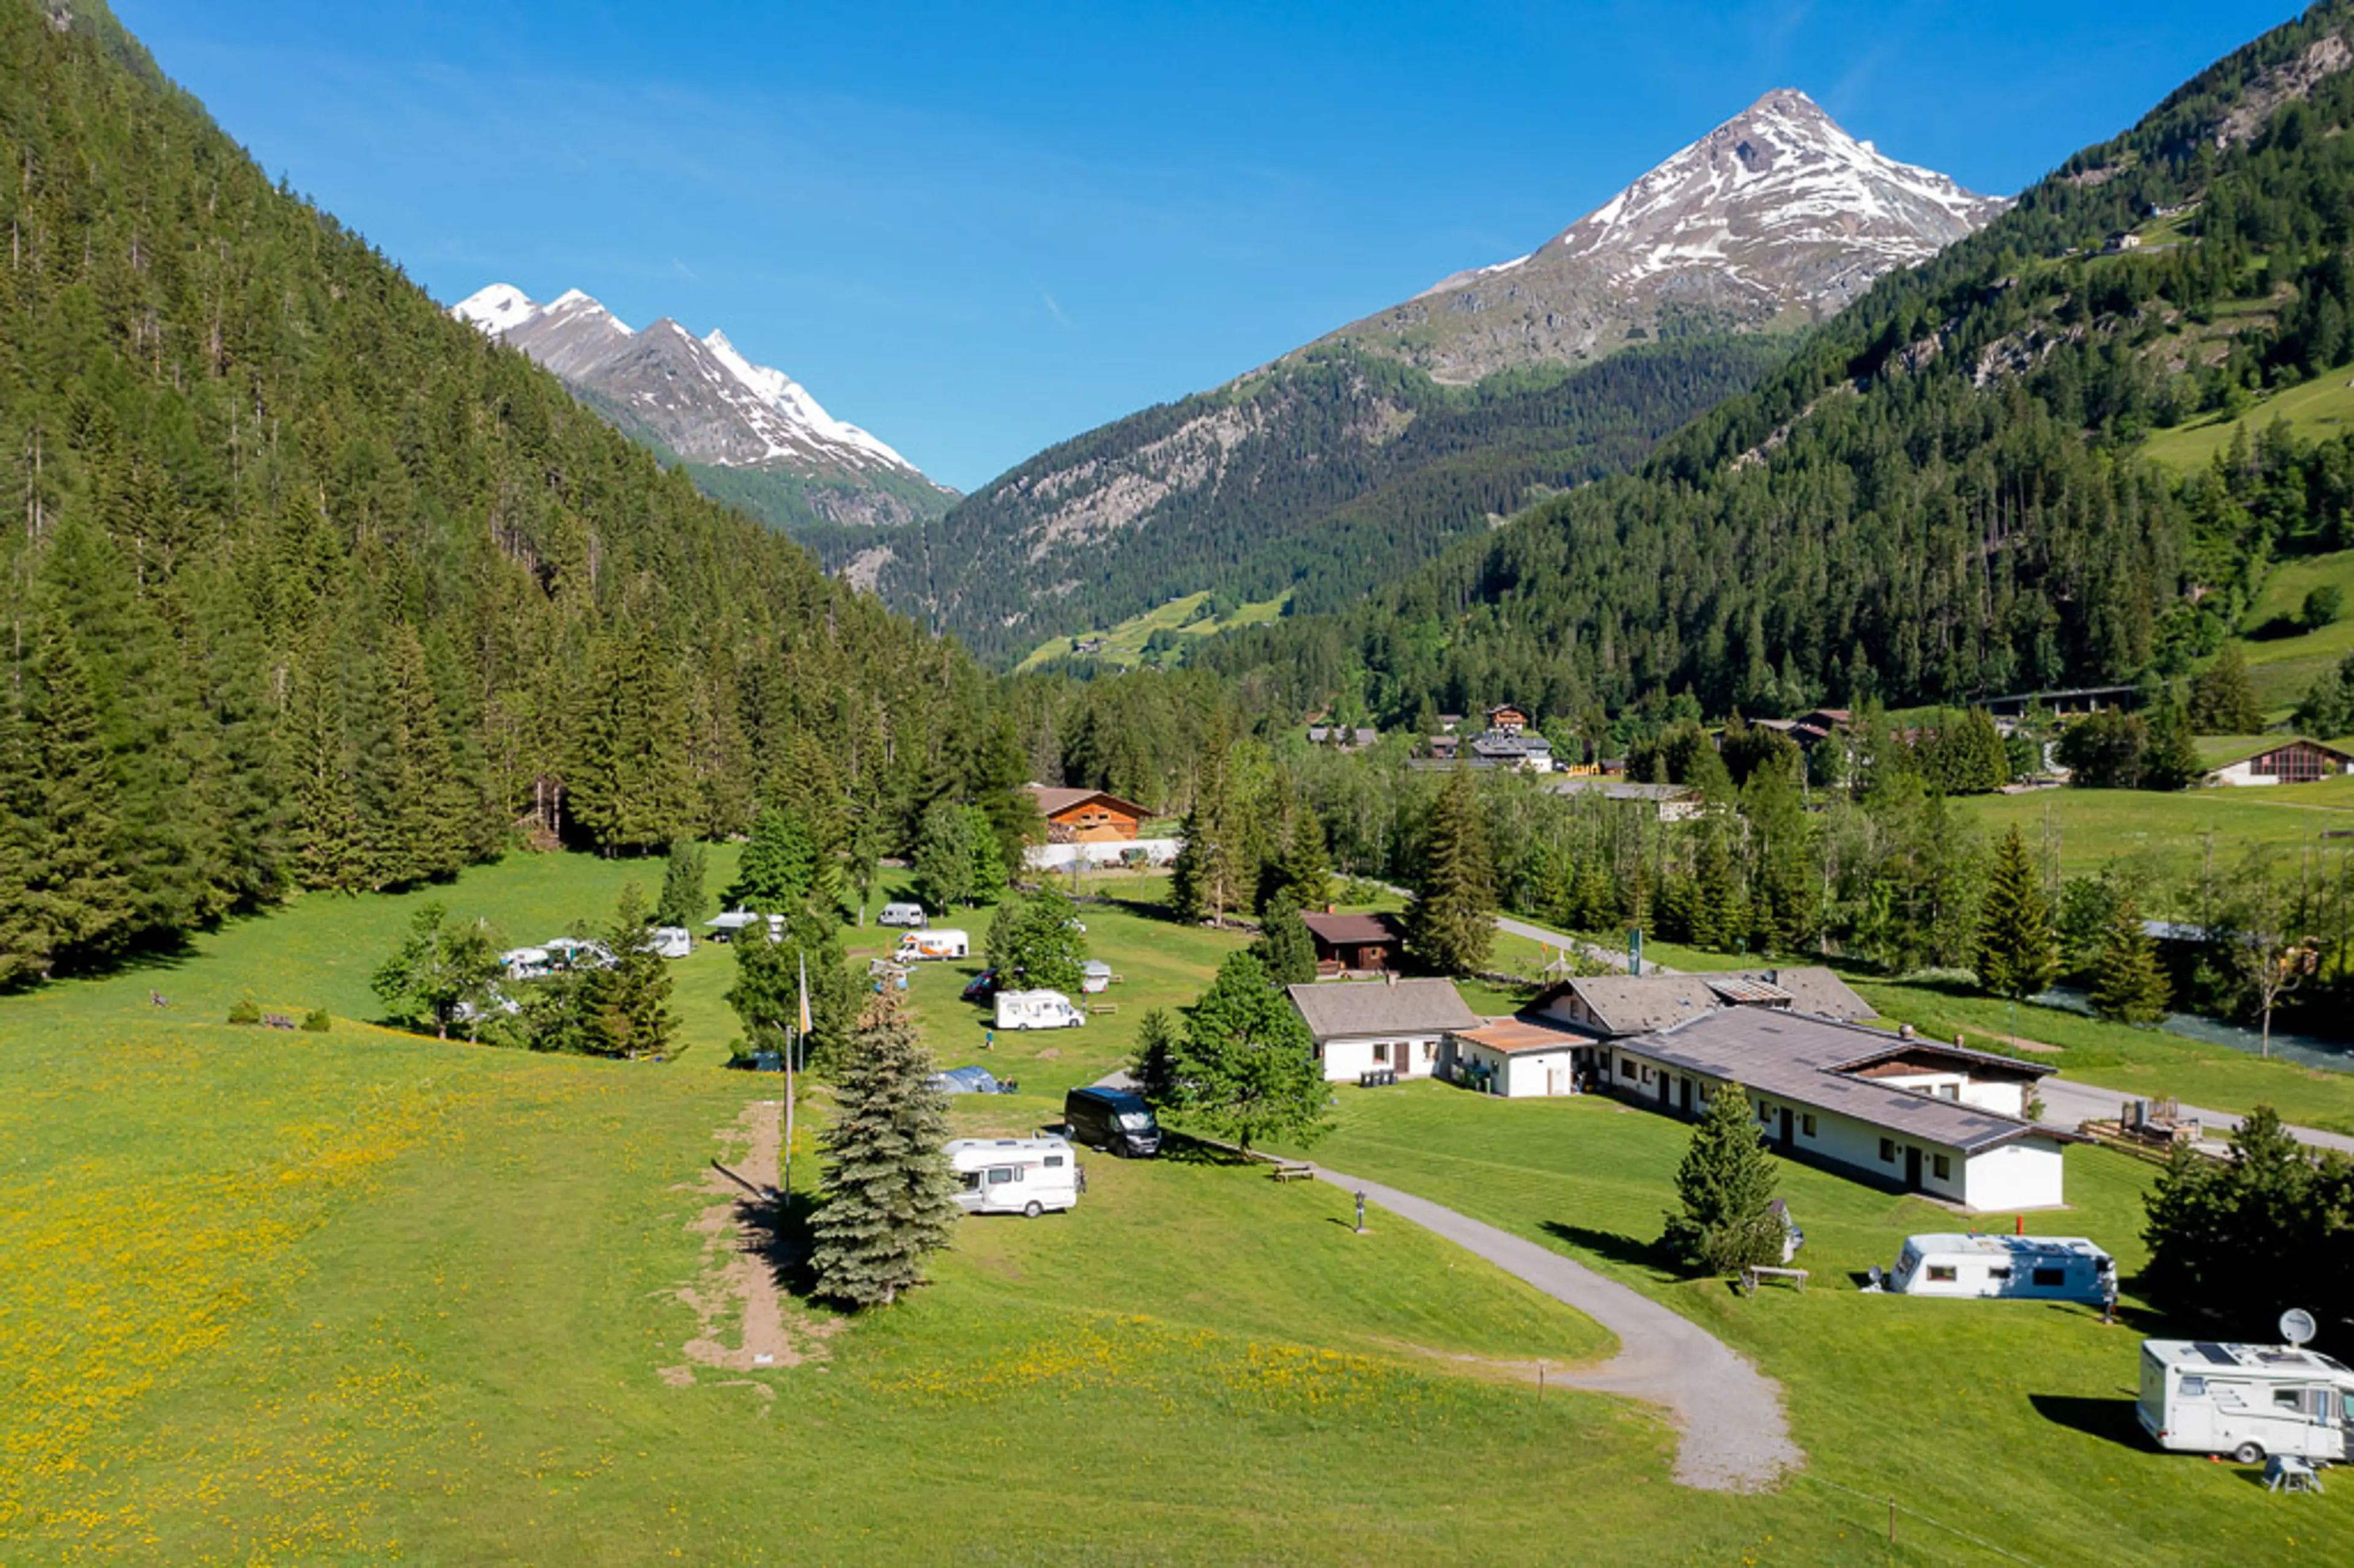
(1410, 1057)
(2241, 773)
(2026, 1174)
(1106, 852)
(1522, 1074)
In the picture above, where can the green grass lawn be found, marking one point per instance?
(2010, 1420)
(2319, 409)
(2283, 667)
(1124, 643)
(2169, 832)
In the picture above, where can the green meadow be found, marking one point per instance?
(2170, 835)
(1124, 643)
(276, 1296)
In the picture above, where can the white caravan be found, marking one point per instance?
(2045, 1268)
(1037, 1009)
(735, 922)
(1024, 1176)
(911, 915)
(525, 963)
(2201, 1396)
(670, 942)
(1095, 976)
(938, 943)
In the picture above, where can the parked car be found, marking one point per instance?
(1115, 1119)
(910, 915)
(982, 987)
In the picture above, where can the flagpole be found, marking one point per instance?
(792, 1040)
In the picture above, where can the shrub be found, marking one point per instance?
(245, 1010)
(317, 1021)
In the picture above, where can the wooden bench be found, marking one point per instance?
(1096, 1009)
(1292, 1170)
(1757, 1273)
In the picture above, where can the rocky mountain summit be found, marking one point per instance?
(700, 399)
(1777, 217)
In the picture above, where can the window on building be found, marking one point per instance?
(1949, 1091)
(1646, 1075)
(1430, 1050)
(1888, 1151)
(1944, 1167)
(1806, 1124)
(1381, 1050)
(1942, 1272)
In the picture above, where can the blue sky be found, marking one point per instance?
(979, 229)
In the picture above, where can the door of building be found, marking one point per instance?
(1685, 1091)
(1913, 1168)
(1787, 1128)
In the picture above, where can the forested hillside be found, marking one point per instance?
(311, 587)
(1938, 497)
(1325, 476)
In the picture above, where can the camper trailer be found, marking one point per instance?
(1095, 976)
(525, 963)
(1037, 1009)
(1024, 1176)
(938, 943)
(2044, 1268)
(2200, 1396)
(908, 916)
(670, 942)
(727, 927)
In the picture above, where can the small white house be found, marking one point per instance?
(1388, 1025)
(1517, 1058)
(2274, 760)
(2045, 1268)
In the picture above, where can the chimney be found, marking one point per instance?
(1904, 1032)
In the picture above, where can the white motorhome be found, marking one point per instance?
(1095, 976)
(2202, 1396)
(940, 942)
(1037, 1009)
(670, 942)
(1024, 1176)
(525, 963)
(735, 922)
(2045, 1268)
(911, 915)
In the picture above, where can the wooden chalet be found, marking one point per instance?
(1085, 816)
(1356, 944)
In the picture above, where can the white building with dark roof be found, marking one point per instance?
(1387, 1025)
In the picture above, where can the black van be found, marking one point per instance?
(1113, 1119)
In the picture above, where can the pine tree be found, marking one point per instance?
(990, 878)
(1307, 862)
(779, 868)
(2017, 955)
(2128, 987)
(1284, 944)
(1724, 1182)
(889, 1197)
(1158, 1045)
(1246, 1069)
(628, 999)
(1451, 922)
(24, 938)
(2223, 698)
(682, 899)
(630, 784)
(321, 795)
(2172, 760)
(945, 852)
(1001, 784)
(74, 884)
(767, 993)
(415, 828)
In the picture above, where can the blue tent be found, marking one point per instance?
(967, 1081)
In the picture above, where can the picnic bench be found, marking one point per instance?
(276, 1021)
(1758, 1274)
(1095, 1007)
(2287, 1473)
(1292, 1170)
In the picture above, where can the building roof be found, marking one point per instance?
(1510, 1035)
(2220, 751)
(1322, 735)
(1807, 1062)
(1621, 788)
(1382, 1007)
(1627, 1004)
(1338, 929)
(1814, 989)
(1054, 800)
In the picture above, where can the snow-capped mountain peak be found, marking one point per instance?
(700, 397)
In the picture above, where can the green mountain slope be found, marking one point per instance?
(1941, 495)
(1321, 477)
(315, 587)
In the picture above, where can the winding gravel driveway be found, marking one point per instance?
(1735, 1437)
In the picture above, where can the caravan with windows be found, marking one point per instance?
(2046, 1269)
(1024, 1176)
(2202, 1396)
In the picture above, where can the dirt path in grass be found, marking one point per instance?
(742, 1257)
(1734, 1436)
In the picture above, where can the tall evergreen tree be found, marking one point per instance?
(74, 884)
(1307, 862)
(2223, 698)
(779, 868)
(629, 783)
(889, 1197)
(683, 901)
(1246, 1069)
(1451, 922)
(2128, 987)
(1723, 1183)
(416, 825)
(1284, 944)
(627, 1001)
(945, 849)
(322, 793)
(23, 937)
(2017, 954)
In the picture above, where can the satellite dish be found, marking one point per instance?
(2297, 1325)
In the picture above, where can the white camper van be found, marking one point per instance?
(670, 942)
(2200, 1396)
(1037, 1009)
(1024, 1176)
(940, 942)
(910, 915)
(2045, 1268)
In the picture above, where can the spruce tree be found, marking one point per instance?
(1307, 862)
(629, 783)
(1246, 1069)
(1724, 1182)
(24, 938)
(945, 852)
(321, 792)
(1451, 922)
(682, 899)
(1160, 1043)
(1284, 945)
(74, 884)
(2223, 699)
(2017, 955)
(2172, 760)
(628, 999)
(779, 865)
(889, 1199)
(990, 877)
(2128, 987)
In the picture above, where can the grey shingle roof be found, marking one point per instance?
(1787, 1056)
(1339, 1010)
(1816, 989)
(1627, 1004)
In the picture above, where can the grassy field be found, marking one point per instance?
(1124, 643)
(2319, 409)
(279, 1298)
(2166, 833)
(2283, 664)
(2009, 1424)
